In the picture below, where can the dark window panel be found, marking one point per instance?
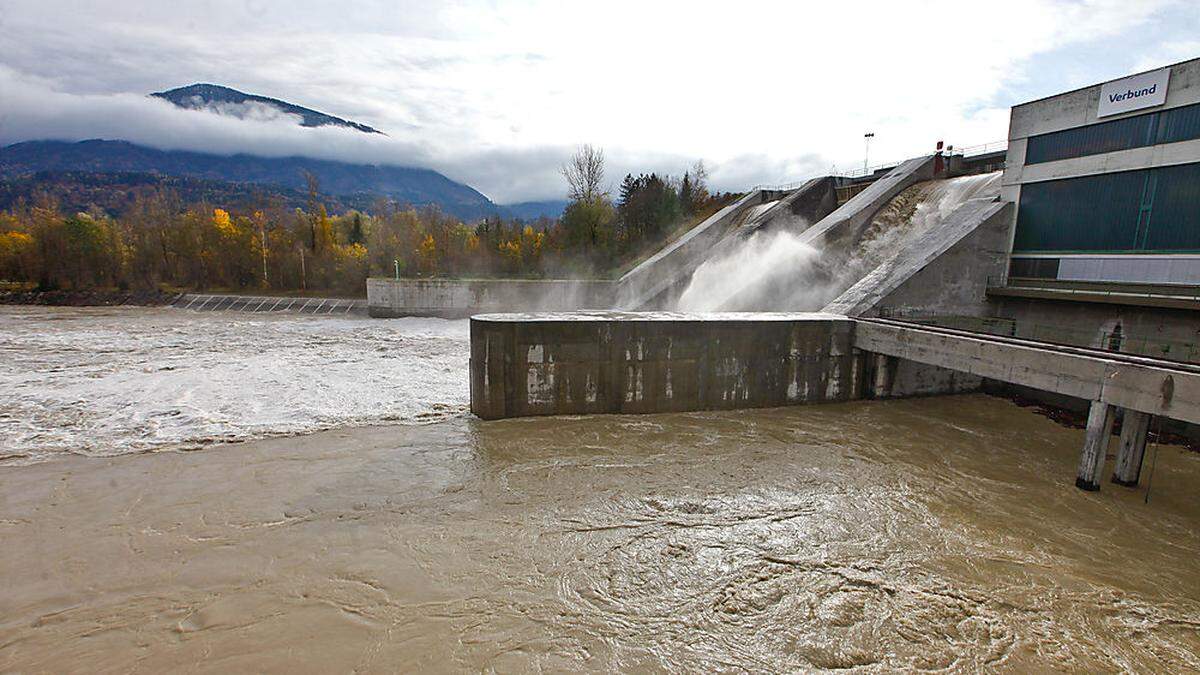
(1168, 126)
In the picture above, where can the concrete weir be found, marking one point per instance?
(454, 298)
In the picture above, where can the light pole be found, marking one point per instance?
(867, 148)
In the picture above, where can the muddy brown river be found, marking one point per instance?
(926, 534)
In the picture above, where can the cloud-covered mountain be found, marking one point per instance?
(225, 101)
(350, 183)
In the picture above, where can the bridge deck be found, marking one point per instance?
(1138, 383)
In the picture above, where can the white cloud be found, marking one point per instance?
(496, 95)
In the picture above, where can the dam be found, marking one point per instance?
(945, 273)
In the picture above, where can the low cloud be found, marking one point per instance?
(33, 109)
(498, 95)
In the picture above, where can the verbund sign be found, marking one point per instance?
(1134, 93)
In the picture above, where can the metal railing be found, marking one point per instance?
(973, 150)
(856, 173)
(968, 151)
(795, 185)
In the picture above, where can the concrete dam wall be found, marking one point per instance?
(658, 282)
(613, 362)
(769, 251)
(655, 282)
(875, 242)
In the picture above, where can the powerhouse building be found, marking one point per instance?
(1106, 180)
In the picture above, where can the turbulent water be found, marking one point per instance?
(940, 534)
(101, 381)
(779, 270)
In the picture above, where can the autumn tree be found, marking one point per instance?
(585, 174)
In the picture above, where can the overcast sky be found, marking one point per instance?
(496, 94)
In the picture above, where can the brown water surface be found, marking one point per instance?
(940, 533)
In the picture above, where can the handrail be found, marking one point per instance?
(983, 149)
(966, 151)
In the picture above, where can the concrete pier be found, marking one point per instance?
(613, 362)
(883, 375)
(1135, 426)
(1095, 446)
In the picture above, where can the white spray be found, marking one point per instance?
(779, 271)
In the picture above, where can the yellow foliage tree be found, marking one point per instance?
(224, 223)
(429, 255)
(510, 253)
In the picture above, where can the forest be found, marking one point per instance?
(160, 241)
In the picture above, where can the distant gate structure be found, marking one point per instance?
(268, 303)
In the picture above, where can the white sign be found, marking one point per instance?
(1134, 93)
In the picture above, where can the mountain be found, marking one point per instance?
(226, 101)
(552, 208)
(419, 187)
(74, 170)
(114, 193)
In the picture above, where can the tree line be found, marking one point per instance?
(158, 241)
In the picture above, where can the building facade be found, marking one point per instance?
(1106, 180)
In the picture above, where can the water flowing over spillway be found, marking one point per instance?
(781, 271)
(112, 381)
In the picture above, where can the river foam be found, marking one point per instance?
(113, 381)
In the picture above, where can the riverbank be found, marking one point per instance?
(924, 533)
(14, 294)
(86, 298)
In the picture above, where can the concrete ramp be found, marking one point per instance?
(943, 270)
(849, 219)
(639, 287)
(657, 282)
(795, 212)
(800, 268)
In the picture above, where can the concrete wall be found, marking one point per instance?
(1172, 333)
(463, 297)
(944, 271)
(657, 362)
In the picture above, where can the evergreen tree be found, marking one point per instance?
(687, 196)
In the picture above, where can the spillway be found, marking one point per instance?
(787, 271)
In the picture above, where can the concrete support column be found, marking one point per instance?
(884, 368)
(1095, 446)
(1134, 428)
